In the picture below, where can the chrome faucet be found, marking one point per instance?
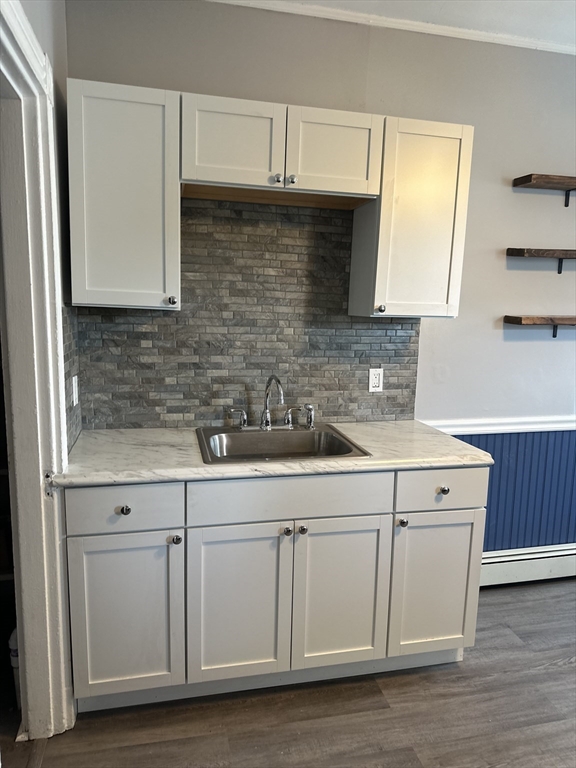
(265, 421)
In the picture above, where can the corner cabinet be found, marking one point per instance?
(260, 144)
(408, 245)
(124, 195)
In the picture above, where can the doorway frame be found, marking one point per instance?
(33, 364)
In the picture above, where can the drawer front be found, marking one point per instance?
(221, 502)
(421, 489)
(99, 510)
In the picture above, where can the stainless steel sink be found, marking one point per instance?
(234, 445)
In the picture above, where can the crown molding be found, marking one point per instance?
(374, 20)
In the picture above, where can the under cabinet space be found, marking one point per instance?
(223, 502)
(124, 508)
(123, 144)
(433, 489)
(408, 246)
(435, 580)
(127, 611)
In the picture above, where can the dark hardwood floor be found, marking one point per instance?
(510, 704)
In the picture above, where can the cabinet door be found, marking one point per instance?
(408, 246)
(233, 141)
(332, 151)
(435, 580)
(341, 584)
(124, 195)
(239, 600)
(126, 611)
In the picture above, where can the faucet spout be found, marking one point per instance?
(265, 421)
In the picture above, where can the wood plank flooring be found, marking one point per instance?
(510, 704)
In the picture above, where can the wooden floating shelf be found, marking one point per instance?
(566, 184)
(272, 197)
(545, 181)
(543, 253)
(553, 320)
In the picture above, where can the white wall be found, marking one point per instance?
(521, 102)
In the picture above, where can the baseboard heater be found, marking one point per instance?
(507, 566)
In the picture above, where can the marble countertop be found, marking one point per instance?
(126, 456)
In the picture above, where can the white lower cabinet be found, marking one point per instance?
(271, 595)
(435, 580)
(341, 585)
(239, 600)
(127, 611)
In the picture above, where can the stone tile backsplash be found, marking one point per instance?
(71, 368)
(264, 290)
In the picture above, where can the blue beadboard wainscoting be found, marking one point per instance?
(531, 511)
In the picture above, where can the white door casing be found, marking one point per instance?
(33, 363)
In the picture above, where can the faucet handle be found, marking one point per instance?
(288, 415)
(243, 418)
(309, 415)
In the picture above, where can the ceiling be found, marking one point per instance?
(548, 25)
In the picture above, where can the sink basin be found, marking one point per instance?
(234, 445)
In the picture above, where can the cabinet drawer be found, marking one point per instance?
(98, 510)
(220, 502)
(421, 490)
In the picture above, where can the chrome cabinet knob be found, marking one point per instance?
(381, 308)
(403, 523)
(172, 300)
(125, 510)
(288, 531)
(444, 490)
(303, 529)
(177, 539)
(278, 178)
(293, 179)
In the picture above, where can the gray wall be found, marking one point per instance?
(521, 102)
(264, 289)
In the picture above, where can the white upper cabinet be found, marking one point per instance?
(408, 245)
(124, 195)
(233, 141)
(245, 143)
(332, 151)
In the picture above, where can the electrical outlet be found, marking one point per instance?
(74, 390)
(376, 380)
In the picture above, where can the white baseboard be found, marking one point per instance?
(509, 566)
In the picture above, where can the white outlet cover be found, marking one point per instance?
(376, 380)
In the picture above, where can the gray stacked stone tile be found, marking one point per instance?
(264, 290)
(71, 368)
